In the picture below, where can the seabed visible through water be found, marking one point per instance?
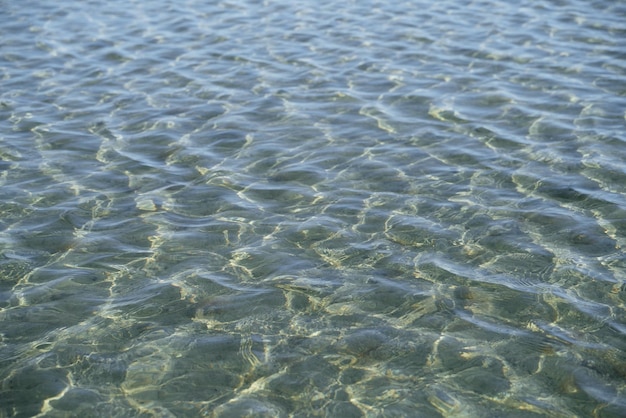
(313, 209)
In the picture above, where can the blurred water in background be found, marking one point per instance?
(279, 208)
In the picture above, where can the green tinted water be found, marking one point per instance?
(275, 209)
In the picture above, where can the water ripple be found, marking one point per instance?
(357, 208)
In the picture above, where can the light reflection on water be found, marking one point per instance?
(278, 209)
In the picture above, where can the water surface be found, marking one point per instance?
(313, 208)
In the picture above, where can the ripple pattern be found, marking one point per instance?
(297, 208)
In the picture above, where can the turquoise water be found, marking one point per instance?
(313, 208)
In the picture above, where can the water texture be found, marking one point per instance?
(313, 208)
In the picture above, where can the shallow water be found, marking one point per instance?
(313, 208)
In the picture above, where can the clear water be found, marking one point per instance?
(285, 208)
